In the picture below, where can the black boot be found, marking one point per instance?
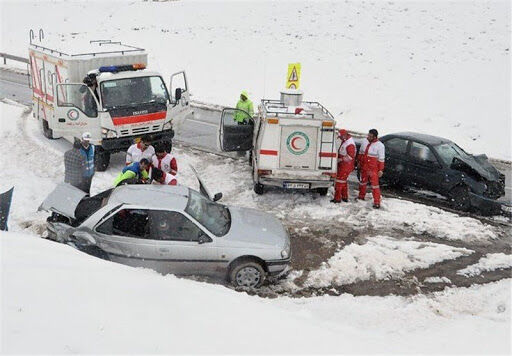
(335, 201)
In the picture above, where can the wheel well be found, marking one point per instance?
(246, 259)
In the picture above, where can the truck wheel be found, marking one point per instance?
(258, 188)
(247, 273)
(459, 198)
(322, 191)
(101, 159)
(47, 131)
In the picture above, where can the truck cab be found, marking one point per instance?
(292, 143)
(128, 101)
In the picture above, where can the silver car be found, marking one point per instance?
(171, 229)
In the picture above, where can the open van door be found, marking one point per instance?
(234, 136)
(180, 98)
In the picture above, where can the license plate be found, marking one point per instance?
(288, 185)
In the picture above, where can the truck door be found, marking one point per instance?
(76, 109)
(234, 136)
(180, 97)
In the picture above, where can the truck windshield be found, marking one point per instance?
(133, 91)
(214, 217)
(448, 151)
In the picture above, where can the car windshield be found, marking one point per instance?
(448, 151)
(214, 217)
(133, 92)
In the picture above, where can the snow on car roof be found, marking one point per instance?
(428, 139)
(151, 195)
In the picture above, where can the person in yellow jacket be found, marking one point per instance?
(133, 173)
(244, 104)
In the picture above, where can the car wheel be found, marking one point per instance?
(247, 274)
(258, 188)
(322, 191)
(101, 159)
(47, 131)
(459, 198)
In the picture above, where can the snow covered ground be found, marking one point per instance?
(137, 311)
(440, 67)
(58, 300)
(489, 262)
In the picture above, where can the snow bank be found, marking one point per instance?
(58, 300)
(429, 66)
(489, 262)
(380, 257)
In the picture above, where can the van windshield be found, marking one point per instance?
(133, 91)
(214, 217)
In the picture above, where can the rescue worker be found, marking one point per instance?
(133, 173)
(371, 163)
(74, 165)
(164, 161)
(161, 177)
(87, 151)
(346, 159)
(139, 150)
(244, 104)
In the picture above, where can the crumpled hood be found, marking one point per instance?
(253, 226)
(482, 166)
(63, 200)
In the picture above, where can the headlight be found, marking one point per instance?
(284, 254)
(167, 125)
(108, 133)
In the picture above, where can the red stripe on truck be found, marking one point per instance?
(268, 152)
(328, 154)
(125, 120)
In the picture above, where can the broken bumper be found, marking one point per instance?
(487, 206)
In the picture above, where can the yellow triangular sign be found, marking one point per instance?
(293, 77)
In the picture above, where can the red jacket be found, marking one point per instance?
(372, 155)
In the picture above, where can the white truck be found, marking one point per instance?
(292, 143)
(128, 102)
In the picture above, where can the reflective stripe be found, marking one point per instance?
(340, 181)
(375, 187)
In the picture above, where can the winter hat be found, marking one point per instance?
(342, 132)
(86, 136)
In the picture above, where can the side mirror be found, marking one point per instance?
(177, 94)
(203, 239)
(217, 197)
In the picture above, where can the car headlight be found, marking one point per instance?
(284, 254)
(167, 125)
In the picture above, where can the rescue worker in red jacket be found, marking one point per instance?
(164, 161)
(371, 164)
(161, 177)
(346, 159)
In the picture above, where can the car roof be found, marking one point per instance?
(419, 137)
(154, 196)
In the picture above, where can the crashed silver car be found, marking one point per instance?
(171, 229)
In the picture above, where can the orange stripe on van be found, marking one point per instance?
(328, 154)
(268, 152)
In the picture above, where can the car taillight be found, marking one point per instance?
(332, 175)
(264, 172)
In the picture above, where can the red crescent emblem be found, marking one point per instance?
(293, 143)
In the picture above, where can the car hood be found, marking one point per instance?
(253, 226)
(63, 200)
(481, 165)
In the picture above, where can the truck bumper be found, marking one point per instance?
(122, 143)
(280, 182)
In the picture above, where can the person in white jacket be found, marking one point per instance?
(140, 150)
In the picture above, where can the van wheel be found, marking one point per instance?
(258, 188)
(250, 158)
(47, 131)
(322, 191)
(247, 274)
(101, 159)
(459, 198)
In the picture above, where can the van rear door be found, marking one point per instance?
(298, 147)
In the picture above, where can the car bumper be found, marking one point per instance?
(276, 267)
(487, 206)
(122, 143)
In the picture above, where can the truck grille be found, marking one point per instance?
(139, 130)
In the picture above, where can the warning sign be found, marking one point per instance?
(293, 77)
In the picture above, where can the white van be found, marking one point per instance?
(292, 143)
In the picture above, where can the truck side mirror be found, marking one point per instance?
(177, 94)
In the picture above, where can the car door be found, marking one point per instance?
(76, 109)
(180, 98)
(232, 135)
(188, 248)
(396, 150)
(423, 170)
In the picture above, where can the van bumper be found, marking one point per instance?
(122, 143)
(313, 183)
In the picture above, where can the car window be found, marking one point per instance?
(396, 145)
(214, 217)
(127, 222)
(448, 151)
(422, 153)
(172, 225)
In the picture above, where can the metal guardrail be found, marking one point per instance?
(7, 56)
